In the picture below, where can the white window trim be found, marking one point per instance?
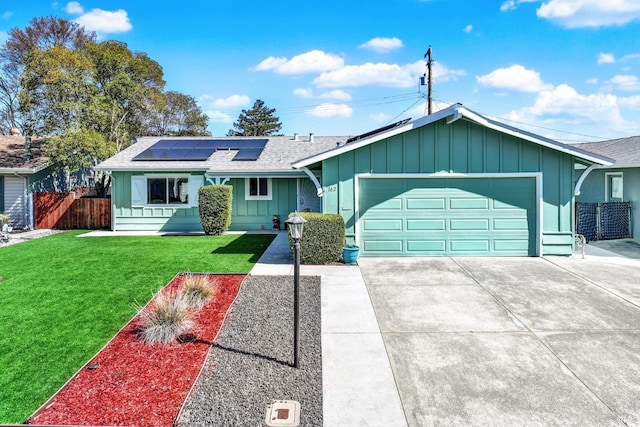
(247, 196)
(607, 190)
(140, 200)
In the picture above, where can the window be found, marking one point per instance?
(179, 191)
(258, 189)
(613, 187)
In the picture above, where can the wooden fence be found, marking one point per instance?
(64, 212)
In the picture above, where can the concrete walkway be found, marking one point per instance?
(359, 388)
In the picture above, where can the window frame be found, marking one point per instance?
(608, 187)
(247, 187)
(142, 199)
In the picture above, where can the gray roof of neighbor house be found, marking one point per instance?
(625, 151)
(276, 157)
(12, 155)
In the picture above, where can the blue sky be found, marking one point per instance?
(567, 69)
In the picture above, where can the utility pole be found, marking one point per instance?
(429, 80)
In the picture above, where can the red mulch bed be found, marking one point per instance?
(136, 384)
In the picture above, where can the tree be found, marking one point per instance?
(91, 103)
(178, 115)
(258, 121)
(42, 33)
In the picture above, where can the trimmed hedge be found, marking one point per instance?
(214, 203)
(322, 238)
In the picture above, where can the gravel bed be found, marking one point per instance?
(249, 365)
(24, 236)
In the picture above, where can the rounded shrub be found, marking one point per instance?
(214, 203)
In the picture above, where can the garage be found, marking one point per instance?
(453, 183)
(429, 216)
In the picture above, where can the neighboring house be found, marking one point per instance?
(618, 182)
(19, 170)
(451, 183)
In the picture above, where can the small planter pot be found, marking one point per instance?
(350, 254)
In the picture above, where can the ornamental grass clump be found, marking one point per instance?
(198, 289)
(168, 317)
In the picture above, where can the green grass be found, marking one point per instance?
(63, 298)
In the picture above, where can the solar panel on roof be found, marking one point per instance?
(201, 149)
(248, 154)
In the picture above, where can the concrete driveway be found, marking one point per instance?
(511, 341)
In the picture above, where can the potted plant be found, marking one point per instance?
(350, 253)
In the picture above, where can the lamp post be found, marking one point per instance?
(296, 224)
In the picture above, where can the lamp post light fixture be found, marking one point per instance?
(295, 225)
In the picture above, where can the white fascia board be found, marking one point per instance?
(622, 165)
(19, 171)
(258, 173)
(377, 137)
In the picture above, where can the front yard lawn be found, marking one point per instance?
(63, 298)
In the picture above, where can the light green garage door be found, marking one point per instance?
(447, 216)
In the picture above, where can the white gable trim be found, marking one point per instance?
(457, 112)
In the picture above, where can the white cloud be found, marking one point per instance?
(593, 81)
(564, 104)
(631, 102)
(590, 13)
(232, 101)
(382, 44)
(606, 58)
(513, 4)
(314, 61)
(105, 22)
(336, 94)
(382, 74)
(515, 78)
(330, 110)
(630, 57)
(7, 15)
(74, 8)
(468, 28)
(625, 82)
(303, 93)
(219, 117)
(380, 117)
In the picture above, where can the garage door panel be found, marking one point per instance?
(428, 247)
(469, 224)
(425, 224)
(510, 245)
(468, 203)
(467, 246)
(510, 224)
(382, 224)
(384, 246)
(450, 219)
(426, 204)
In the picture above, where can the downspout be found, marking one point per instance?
(27, 211)
(313, 178)
(587, 171)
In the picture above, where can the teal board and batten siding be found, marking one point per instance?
(258, 214)
(462, 147)
(245, 214)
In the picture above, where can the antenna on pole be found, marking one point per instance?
(429, 80)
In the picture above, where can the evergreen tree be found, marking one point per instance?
(258, 121)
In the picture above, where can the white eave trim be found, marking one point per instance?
(454, 113)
